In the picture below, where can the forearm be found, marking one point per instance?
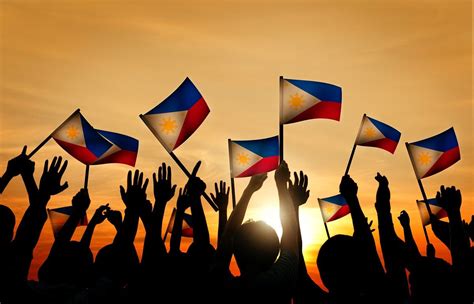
(31, 188)
(67, 231)
(128, 230)
(410, 242)
(201, 231)
(87, 236)
(175, 241)
(460, 243)
(222, 223)
(289, 238)
(4, 180)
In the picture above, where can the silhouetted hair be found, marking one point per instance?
(116, 263)
(7, 224)
(256, 246)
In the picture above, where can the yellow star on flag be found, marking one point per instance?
(168, 125)
(296, 101)
(370, 132)
(424, 158)
(72, 132)
(243, 159)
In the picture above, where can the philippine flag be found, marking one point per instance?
(80, 139)
(178, 116)
(251, 157)
(435, 208)
(432, 155)
(333, 207)
(187, 226)
(302, 100)
(374, 133)
(124, 149)
(59, 216)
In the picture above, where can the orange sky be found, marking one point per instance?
(408, 64)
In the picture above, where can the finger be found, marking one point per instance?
(217, 189)
(58, 164)
(296, 178)
(290, 184)
(169, 173)
(45, 169)
(129, 178)
(154, 178)
(227, 192)
(63, 168)
(23, 152)
(140, 179)
(53, 163)
(135, 177)
(213, 197)
(63, 187)
(122, 193)
(305, 183)
(173, 190)
(301, 178)
(196, 168)
(160, 173)
(145, 184)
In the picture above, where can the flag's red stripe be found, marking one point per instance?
(187, 232)
(264, 165)
(194, 118)
(447, 159)
(82, 154)
(323, 109)
(383, 143)
(344, 210)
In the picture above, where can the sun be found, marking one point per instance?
(243, 158)
(72, 132)
(296, 101)
(424, 158)
(168, 125)
(370, 132)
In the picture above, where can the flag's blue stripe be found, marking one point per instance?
(188, 219)
(124, 142)
(65, 210)
(336, 199)
(182, 99)
(320, 90)
(434, 201)
(94, 142)
(442, 142)
(264, 147)
(386, 130)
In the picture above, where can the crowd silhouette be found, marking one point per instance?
(272, 270)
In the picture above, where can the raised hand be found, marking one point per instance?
(183, 202)
(383, 192)
(348, 187)
(282, 174)
(114, 217)
(195, 185)
(404, 219)
(81, 201)
(162, 186)
(134, 197)
(298, 190)
(100, 214)
(450, 198)
(221, 198)
(50, 183)
(20, 164)
(256, 182)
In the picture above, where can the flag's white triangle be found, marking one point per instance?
(241, 159)
(294, 101)
(166, 127)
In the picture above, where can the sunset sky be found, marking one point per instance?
(406, 63)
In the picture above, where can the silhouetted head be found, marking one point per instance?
(256, 247)
(69, 263)
(341, 265)
(116, 264)
(7, 225)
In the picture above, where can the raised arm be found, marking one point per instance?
(221, 198)
(411, 246)
(224, 250)
(99, 216)
(80, 204)
(195, 189)
(181, 205)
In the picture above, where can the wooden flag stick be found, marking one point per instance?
(86, 177)
(183, 168)
(281, 125)
(324, 222)
(51, 135)
(355, 146)
(232, 184)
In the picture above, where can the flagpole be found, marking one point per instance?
(355, 146)
(324, 222)
(86, 177)
(51, 135)
(232, 184)
(183, 168)
(281, 125)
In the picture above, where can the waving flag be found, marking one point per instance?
(59, 216)
(435, 208)
(124, 149)
(251, 157)
(80, 139)
(187, 228)
(302, 100)
(333, 207)
(178, 116)
(374, 133)
(434, 154)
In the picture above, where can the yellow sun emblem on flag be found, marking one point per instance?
(296, 101)
(72, 132)
(370, 132)
(243, 159)
(424, 158)
(168, 125)
(331, 209)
